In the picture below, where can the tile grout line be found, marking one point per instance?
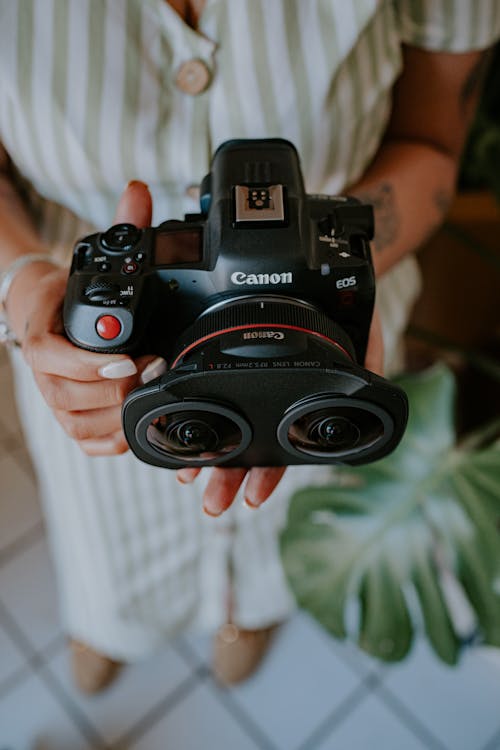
(339, 714)
(242, 718)
(408, 718)
(159, 711)
(38, 666)
(223, 695)
(31, 664)
(410, 721)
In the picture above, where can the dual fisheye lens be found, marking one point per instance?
(322, 428)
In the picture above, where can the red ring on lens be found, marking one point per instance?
(214, 334)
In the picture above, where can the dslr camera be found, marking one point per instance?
(261, 304)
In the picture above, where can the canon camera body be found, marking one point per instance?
(261, 304)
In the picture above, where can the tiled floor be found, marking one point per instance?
(312, 693)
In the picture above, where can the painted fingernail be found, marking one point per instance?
(115, 370)
(211, 512)
(155, 368)
(136, 182)
(251, 505)
(99, 446)
(185, 476)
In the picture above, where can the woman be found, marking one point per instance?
(377, 97)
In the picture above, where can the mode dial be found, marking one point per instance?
(102, 291)
(121, 238)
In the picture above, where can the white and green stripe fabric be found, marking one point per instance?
(88, 101)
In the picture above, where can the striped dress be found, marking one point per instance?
(88, 101)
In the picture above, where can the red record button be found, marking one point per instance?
(108, 327)
(130, 267)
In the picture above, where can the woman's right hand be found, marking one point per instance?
(85, 390)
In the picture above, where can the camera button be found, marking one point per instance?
(108, 327)
(104, 267)
(139, 257)
(130, 267)
(193, 77)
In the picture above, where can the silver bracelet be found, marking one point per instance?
(6, 279)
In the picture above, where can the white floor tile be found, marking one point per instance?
(199, 721)
(301, 681)
(27, 588)
(371, 726)
(32, 719)
(138, 689)
(11, 659)
(460, 705)
(19, 507)
(201, 647)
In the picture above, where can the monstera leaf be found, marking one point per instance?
(409, 542)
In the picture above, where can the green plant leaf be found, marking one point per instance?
(399, 540)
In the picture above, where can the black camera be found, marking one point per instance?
(261, 304)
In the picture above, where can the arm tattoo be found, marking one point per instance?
(387, 219)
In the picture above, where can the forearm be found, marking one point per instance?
(18, 235)
(410, 184)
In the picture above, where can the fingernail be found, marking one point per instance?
(210, 512)
(99, 445)
(185, 476)
(251, 505)
(115, 370)
(155, 368)
(136, 182)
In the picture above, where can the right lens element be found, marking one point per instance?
(327, 432)
(329, 428)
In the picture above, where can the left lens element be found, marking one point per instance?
(197, 435)
(194, 435)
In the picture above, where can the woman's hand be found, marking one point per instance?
(85, 390)
(261, 482)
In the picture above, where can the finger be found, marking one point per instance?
(150, 367)
(70, 395)
(221, 489)
(261, 483)
(185, 476)
(93, 424)
(52, 354)
(111, 445)
(135, 205)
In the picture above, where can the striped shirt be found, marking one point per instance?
(88, 98)
(88, 101)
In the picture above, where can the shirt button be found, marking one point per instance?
(193, 77)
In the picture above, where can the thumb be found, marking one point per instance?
(135, 205)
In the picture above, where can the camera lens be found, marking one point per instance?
(197, 435)
(337, 433)
(193, 435)
(340, 429)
